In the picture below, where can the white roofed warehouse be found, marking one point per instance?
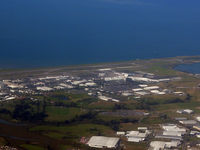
(161, 145)
(136, 136)
(103, 142)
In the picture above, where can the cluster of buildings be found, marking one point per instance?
(135, 136)
(106, 84)
(164, 137)
(174, 136)
(142, 134)
(7, 148)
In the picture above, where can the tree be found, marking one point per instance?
(22, 112)
(25, 112)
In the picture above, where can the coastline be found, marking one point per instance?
(94, 63)
(138, 64)
(31, 67)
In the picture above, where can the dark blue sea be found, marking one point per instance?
(40, 33)
(193, 68)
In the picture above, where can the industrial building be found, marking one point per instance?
(137, 136)
(188, 122)
(186, 111)
(120, 133)
(173, 129)
(104, 142)
(161, 145)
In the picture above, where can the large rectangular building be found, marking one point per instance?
(103, 142)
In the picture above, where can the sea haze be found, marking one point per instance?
(36, 33)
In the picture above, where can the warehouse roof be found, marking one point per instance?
(173, 127)
(135, 139)
(172, 133)
(169, 137)
(136, 134)
(157, 145)
(102, 141)
(188, 122)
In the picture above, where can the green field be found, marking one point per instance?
(73, 131)
(61, 114)
(31, 147)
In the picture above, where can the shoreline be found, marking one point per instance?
(92, 64)
(147, 65)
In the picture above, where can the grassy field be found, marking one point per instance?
(137, 146)
(2, 141)
(61, 114)
(74, 131)
(31, 147)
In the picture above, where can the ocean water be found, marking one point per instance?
(193, 68)
(39, 33)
